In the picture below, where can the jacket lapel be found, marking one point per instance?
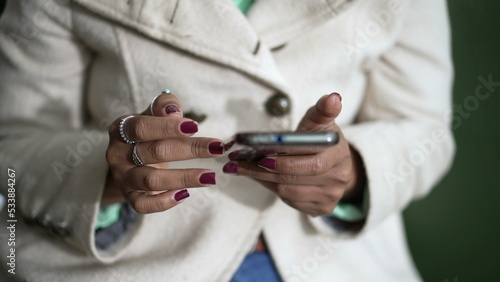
(278, 21)
(216, 30)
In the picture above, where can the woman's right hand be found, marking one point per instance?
(162, 138)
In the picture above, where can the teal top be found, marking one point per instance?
(344, 211)
(108, 215)
(244, 5)
(350, 212)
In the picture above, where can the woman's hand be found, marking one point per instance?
(162, 138)
(312, 184)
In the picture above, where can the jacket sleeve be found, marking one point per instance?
(403, 130)
(58, 158)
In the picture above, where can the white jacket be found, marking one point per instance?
(68, 69)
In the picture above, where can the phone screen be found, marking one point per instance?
(282, 143)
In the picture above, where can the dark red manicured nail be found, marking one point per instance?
(207, 178)
(181, 195)
(234, 155)
(215, 148)
(189, 127)
(172, 109)
(230, 168)
(338, 95)
(267, 163)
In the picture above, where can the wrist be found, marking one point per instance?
(355, 188)
(111, 194)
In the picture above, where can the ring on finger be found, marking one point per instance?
(151, 105)
(135, 156)
(123, 134)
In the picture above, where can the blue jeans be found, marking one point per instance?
(257, 266)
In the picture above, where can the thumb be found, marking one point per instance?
(163, 105)
(322, 114)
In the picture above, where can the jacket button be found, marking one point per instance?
(60, 230)
(278, 105)
(29, 220)
(43, 221)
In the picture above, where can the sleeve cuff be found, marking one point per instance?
(108, 215)
(351, 212)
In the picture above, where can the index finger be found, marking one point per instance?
(306, 165)
(148, 128)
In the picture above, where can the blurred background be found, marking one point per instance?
(454, 233)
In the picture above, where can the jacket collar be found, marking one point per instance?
(216, 30)
(278, 21)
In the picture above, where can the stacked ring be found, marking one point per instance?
(135, 156)
(123, 134)
(151, 105)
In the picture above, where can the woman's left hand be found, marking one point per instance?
(312, 184)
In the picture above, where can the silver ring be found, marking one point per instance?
(151, 105)
(135, 157)
(123, 134)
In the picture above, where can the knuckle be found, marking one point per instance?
(286, 178)
(317, 167)
(337, 195)
(332, 196)
(137, 129)
(159, 150)
(324, 210)
(281, 190)
(135, 204)
(195, 147)
(160, 205)
(151, 181)
(111, 156)
(140, 207)
(344, 175)
(185, 180)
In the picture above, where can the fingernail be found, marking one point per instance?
(267, 163)
(215, 148)
(234, 155)
(189, 127)
(338, 95)
(166, 91)
(172, 109)
(207, 178)
(181, 195)
(230, 168)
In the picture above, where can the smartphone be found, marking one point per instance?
(280, 143)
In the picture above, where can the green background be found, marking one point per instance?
(454, 233)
